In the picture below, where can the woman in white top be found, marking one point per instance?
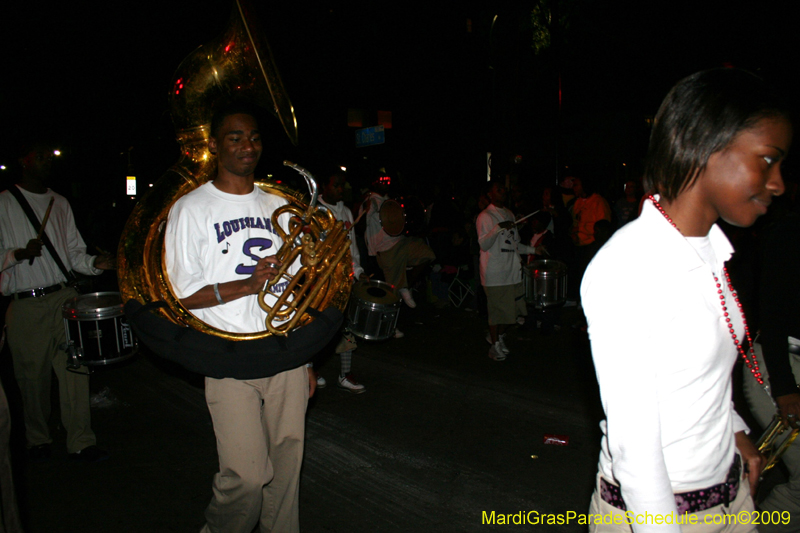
(664, 323)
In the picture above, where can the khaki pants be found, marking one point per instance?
(785, 497)
(505, 303)
(35, 332)
(743, 503)
(260, 429)
(409, 251)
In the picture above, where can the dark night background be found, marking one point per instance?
(93, 77)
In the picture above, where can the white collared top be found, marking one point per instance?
(663, 356)
(16, 230)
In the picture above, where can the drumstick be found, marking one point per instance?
(359, 217)
(526, 216)
(44, 222)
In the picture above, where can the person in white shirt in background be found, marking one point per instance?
(394, 253)
(664, 324)
(39, 288)
(501, 268)
(332, 192)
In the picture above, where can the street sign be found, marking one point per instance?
(370, 136)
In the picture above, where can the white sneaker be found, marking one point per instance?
(349, 384)
(405, 294)
(501, 340)
(398, 334)
(321, 382)
(496, 353)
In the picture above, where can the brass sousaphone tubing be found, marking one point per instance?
(321, 242)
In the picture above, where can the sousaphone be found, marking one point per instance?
(236, 65)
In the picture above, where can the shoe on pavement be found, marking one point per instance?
(321, 382)
(405, 294)
(496, 353)
(398, 334)
(90, 454)
(347, 383)
(501, 340)
(40, 453)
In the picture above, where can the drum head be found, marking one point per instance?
(93, 306)
(546, 268)
(377, 292)
(393, 218)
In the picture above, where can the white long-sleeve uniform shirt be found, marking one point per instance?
(342, 212)
(16, 230)
(663, 356)
(500, 248)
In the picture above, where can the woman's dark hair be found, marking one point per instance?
(702, 115)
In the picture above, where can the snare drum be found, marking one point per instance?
(97, 332)
(373, 310)
(545, 283)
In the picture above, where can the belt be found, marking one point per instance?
(688, 502)
(38, 292)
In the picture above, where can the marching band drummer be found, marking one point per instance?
(37, 280)
(394, 252)
(665, 323)
(332, 192)
(501, 268)
(216, 268)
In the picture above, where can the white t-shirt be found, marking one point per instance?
(377, 239)
(217, 237)
(500, 248)
(342, 212)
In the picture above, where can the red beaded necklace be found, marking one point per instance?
(750, 356)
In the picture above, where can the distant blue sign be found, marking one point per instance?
(370, 136)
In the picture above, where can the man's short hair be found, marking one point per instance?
(233, 107)
(326, 174)
(494, 181)
(32, 146)
(701, 115)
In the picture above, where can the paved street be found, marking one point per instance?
(442, 434)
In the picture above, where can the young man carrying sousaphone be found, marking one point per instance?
(217, 273)
(39, 247)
